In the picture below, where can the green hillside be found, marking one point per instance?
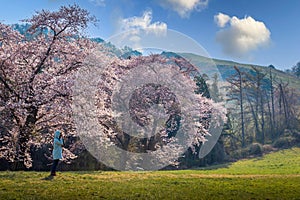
(226, 69)
(281, 162)
(273, 176)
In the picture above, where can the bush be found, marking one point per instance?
(240, 153)
(190, 160)
(296, 134)
(285, 142)
(267, 148)
(255, 149)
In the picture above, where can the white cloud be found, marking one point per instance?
(184, 7)
(144, 23)
(98, 2)
(241, 36)
(221, 19)
(136, 29)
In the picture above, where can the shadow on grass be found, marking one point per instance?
(212, 167)
(48, 178)
(86, 172)
(8, 175)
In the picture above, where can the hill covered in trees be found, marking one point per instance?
(263, 105)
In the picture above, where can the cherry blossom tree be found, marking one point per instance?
(35, 74)
(147, 111)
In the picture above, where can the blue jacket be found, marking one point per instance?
(57, 146)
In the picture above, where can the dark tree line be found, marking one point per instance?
(262, 106)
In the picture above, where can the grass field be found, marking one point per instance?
(273, 176)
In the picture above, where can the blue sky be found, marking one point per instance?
(260, 32)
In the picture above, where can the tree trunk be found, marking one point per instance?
(271, 129)
(25, 133)
(262, 119)
(241, 105)
(283, 103)
(272, 115)
(255, 116)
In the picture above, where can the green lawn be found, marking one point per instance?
(274, 176)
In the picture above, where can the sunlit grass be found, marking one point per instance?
(274, 176)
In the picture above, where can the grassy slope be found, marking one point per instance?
(274, 176)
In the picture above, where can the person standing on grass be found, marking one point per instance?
(57, 151)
